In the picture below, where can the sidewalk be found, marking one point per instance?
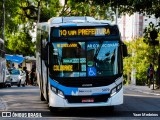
(144, 89)
(3, 105)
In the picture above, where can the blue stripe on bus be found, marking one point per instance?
(73, 90)
(71, 24)
(66, 90)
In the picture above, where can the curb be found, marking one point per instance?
(149, 92)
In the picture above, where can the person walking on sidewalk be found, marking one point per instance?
(157, 78)
(32, 78)
(148, 76)
(27, 76)
(151, 75)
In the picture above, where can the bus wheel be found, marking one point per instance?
(110, 109)
(41, 96)
(4, 85)
(53, 109)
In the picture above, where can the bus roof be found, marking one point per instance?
(76, 21)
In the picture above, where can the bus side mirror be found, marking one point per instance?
(125, 52)
(4, 54)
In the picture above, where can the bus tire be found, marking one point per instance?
(41, 96)
(110, 109)
(53, 109)
(47, 95)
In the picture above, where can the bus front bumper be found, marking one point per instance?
(57, 101)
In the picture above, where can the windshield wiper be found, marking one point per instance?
(98, 49)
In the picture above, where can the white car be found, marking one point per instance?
(18, 77)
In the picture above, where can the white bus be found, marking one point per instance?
(2, 64)
(79, 63)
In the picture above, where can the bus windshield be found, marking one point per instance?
(85, 59)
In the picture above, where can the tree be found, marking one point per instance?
(151, 34)
(149, 7)
(86, 8)
(21, 43)
(141, 55)
(10, 8)
(48, 8)
(151, 38)
(17, 27)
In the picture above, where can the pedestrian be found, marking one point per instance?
(148, 76)
(13, 67)
(150, 73)
(27, 76)
(157, 78)
(32, 74)
(19, 66)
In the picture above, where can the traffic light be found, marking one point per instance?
(153, 36)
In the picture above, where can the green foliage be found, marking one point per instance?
(86, 8)
(149, 7)
(20, 43)
(24, 13)
(147, 33)
(141, 55)
(10, 12)
(50, 8)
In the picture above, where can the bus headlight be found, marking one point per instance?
(57, 91)
(119, 87)
(116, 89)
(113, 92)
(60, 93)
(54, 89)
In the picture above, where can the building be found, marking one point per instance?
(132, 27)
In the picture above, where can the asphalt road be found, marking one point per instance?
(22, 100)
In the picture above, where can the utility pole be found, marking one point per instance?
(153, 36)
(39, 11)
(117, 14)
(3, 20)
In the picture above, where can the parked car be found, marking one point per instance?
(18, 77)
(8, 79)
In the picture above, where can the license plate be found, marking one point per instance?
(87, 100)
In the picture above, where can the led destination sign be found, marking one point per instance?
(63, 68)
(84, 32)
